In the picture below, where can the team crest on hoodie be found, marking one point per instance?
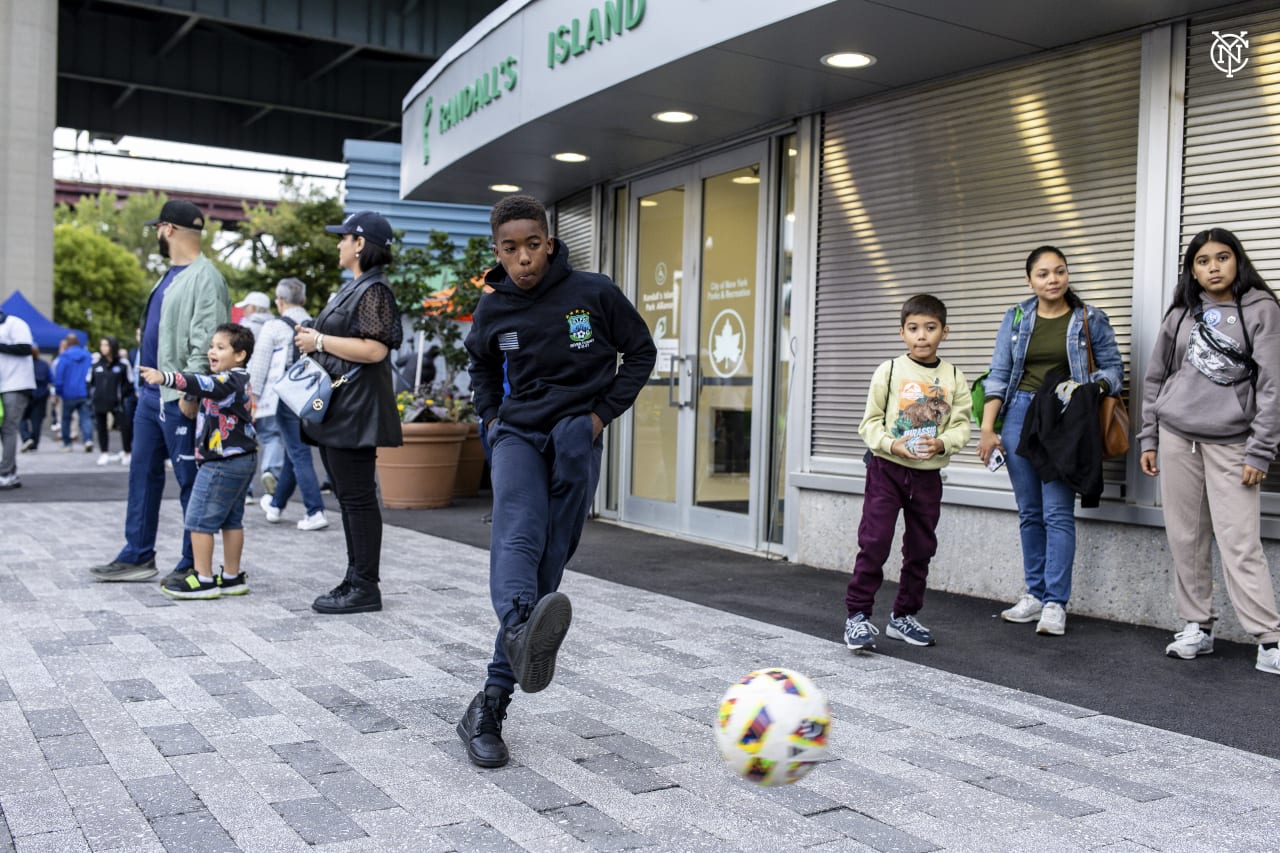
(580, 333)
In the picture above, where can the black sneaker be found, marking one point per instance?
(531, 646)
(481, 728)
(118, 571)
(190, 586)
(348, 597)
(175, 575)
(238, 585)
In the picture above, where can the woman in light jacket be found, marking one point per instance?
(1040, 334)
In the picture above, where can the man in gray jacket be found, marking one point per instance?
(184, 308)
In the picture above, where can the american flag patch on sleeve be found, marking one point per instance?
(508, 341)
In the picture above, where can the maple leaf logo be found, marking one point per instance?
(727, 347)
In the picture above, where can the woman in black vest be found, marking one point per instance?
(359, 327)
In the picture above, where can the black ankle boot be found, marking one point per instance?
(481, 728)
(532, 645)
(350, 596)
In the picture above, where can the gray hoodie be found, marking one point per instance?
(1179, 398)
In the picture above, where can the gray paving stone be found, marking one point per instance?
(88, 638)
(859, 718)
(53, 722)
(873, 833)
(318, 821)
(635, 750)
(310, 759)
(71, 751)
(532, 788)
(65, 841)
(477, 836)
(626, 774)
(219, 683)
(1041, 758)
(1084, 742)
(193, 832)
(601, 832)
(53, 648)
(1110, 783)
(351, 792)
(105, 812)
(366, 719)
(6, 692)
(377, 670)
(246, 704)
(134, 690)
(962, 770)
(163, 796)
(1049, 801)
(37, 812)
(179, 739)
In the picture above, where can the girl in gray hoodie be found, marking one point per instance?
(1211, 415)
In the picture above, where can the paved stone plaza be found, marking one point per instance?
(132, 722)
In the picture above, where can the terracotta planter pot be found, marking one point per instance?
(420, 474)
(470, 465)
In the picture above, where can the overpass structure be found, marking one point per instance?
(292, 77)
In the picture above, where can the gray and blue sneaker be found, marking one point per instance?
(908, 629)
(859, 634)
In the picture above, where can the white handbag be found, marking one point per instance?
(306, 388)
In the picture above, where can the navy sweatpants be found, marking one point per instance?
(543, 484)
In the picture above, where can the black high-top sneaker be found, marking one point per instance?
(481, 728)
(532, 644)
(353, 595)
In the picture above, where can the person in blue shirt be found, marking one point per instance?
(70, 383)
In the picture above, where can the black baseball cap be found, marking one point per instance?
(369, 224)
(181, 213)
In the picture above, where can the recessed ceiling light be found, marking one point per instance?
(675, 117)
(504, 188)
(848, 60)
(570, 157)
(648, 202)
(791, 152)
(746, 179)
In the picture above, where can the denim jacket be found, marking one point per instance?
(1010, 354)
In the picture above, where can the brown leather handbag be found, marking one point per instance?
(1113, 417)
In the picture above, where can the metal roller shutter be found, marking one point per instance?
(945, 191)
(1231, 146)
(575, 225)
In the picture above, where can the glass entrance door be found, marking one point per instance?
(697, 261)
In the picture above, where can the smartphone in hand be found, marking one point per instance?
(996, 460)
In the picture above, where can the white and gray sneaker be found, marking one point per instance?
(1025, 609)
(273, 513)
(1053, 620)
(859, 634)
(314, 521)
(1268, 660)
(1190, 642)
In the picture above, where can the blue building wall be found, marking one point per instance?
(373, 183)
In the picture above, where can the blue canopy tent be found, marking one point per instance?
(44, 332)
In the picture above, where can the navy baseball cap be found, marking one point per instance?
(369, 224)
(181, 213)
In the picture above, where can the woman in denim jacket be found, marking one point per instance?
(1023, 356)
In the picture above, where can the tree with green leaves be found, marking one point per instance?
(98, 285)
(289, 240)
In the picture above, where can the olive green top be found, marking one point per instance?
(1046, 350)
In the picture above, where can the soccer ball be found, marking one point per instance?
(772, 727)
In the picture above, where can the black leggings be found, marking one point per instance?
(124, 423)
(351, 471)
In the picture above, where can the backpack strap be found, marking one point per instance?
(293, 348)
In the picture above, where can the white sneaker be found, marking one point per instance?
(1053, 620)
(124, 459)
(88, 447)
(1026, 609)
(104, 458)
(66, 448)
(1190, 642)
(314, 521)
(1268, 660)
(273, 513)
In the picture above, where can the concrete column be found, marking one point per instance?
(28, 87)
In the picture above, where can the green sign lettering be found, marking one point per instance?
(487, 89)
(603, 24)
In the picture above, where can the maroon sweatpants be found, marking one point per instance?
(918, 494)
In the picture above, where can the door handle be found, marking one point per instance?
(676, 361)
(679, 373)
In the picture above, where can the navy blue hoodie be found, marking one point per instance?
(560, 342)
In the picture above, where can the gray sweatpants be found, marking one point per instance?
(1204, 498)
(15, 403)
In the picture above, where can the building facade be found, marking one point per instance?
(771, 237)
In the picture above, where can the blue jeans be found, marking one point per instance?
(298, 471)
(543, 484)
(159, 432)
(70, 407)
(269, 443)
(217, 498)
(1046, 514)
